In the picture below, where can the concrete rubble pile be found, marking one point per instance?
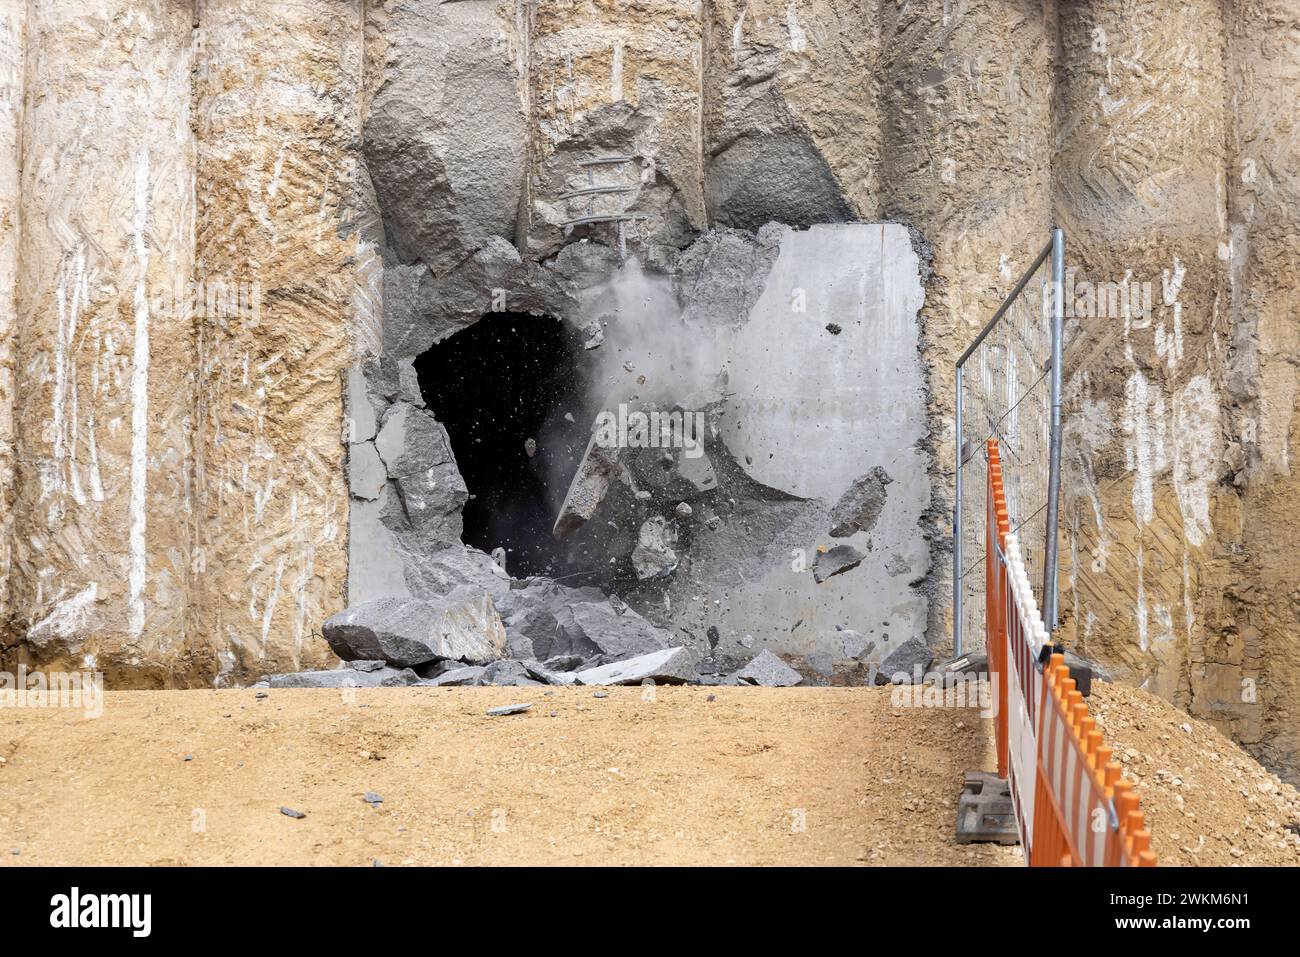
(538, 632)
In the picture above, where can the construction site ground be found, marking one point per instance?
(671, 775)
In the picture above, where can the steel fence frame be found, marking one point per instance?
(1052, 315)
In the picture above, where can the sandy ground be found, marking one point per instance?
(754, 776)
(1206, 801)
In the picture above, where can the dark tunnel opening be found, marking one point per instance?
(495, 385)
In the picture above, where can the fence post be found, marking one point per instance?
(956, 536)
(1051, 563)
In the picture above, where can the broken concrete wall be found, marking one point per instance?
(101, 534)
(824, 387)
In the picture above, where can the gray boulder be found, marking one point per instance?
(603, 629)
(346, 678)
(409, 631)
(456, 677)
(768, 671)
(507, 673)
(667, 666)
(902, 662)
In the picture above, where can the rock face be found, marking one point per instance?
(444, 140)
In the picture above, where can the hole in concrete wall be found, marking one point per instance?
(505, 380)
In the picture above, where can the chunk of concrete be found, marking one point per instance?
(597, 469)
(836, 561)
(669, 666)
(409, 631)
(345, 678)
(768, 671)
(902, 665)
(612, 632)
(653, 556)
(505, 709)
(859, 508)
(539, 672)
(507, 673)
(456, 677)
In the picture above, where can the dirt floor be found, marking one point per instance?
(688, 776)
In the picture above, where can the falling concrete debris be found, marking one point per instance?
(598, 467)
(653, 556)
(836, 561)
(530, 447)
(859, 508)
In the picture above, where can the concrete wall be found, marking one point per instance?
(810, 411)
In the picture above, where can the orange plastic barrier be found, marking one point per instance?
(1073, 807)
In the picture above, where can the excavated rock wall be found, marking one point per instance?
(185, 496)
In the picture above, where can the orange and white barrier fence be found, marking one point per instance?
(1072, 806)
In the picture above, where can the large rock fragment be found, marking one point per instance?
(346, 678)
(669, 666)
(603, 629)
(507, 673)
(416, 453)
(653, 556)
(902, 663)
(408, 631)
(457, 677)
(768, 671)
(598, 467)
(859, 508)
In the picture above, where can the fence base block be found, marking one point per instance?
(984, 811)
